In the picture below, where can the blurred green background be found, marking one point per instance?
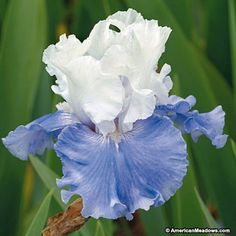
(202, 53)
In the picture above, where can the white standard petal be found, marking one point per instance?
(124, 18)
(141, 105)
(60, 54)
(161, 84)
(139, 50)
(57, 56)
(137, 103)
(151, 39)
(102, 37)
(98, 95)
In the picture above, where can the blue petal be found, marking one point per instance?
(145, 168)
(210, 124)
(38, 135)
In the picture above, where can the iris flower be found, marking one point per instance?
(119, 133)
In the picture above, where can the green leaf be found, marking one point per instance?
(96, 12)
(20, 58)
(225, 96)
(48, 177)
(183, 15)
(99, 229)
(217, 31)
(106, 6)
(56, 14)
(117, 6)
(233, 144)
(23, 37)
(107, 225)
(185, 202)
(154, 221)
(41, 216)
(232, 25)
(89, 228)
(211, 222)
(3, 6)
(217, 169)
(44, 95)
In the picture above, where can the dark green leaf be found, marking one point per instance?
(154, 221)
(233, 144)
(183, 15)
(99, 230)
(3, 6)
(232, 25)
(48, 177)
(217, 32)
(225, 96)
(185, 202)
(210, 220)
(23, 38)
(101, 227)
(41, 216)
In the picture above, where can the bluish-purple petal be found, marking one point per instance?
(145, 168)
(211, 124)
(38, 135)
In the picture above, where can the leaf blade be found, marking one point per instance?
(48, 177)
(211, 222)
(232, 25)
(23, 37)
(41, 216)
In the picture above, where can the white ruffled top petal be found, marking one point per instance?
(110, 79)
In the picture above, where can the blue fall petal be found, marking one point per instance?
(38, 135)
(210, 124)
(114, 179)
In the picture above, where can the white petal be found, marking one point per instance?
(140, 48)
(161, 84)
(126, 17)
(138, 104)
(141, 105)
(57, 56)
(102, 37)
(99, 95)
(151, 39)
(62, 85)
(64, 106)
(63, 52)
